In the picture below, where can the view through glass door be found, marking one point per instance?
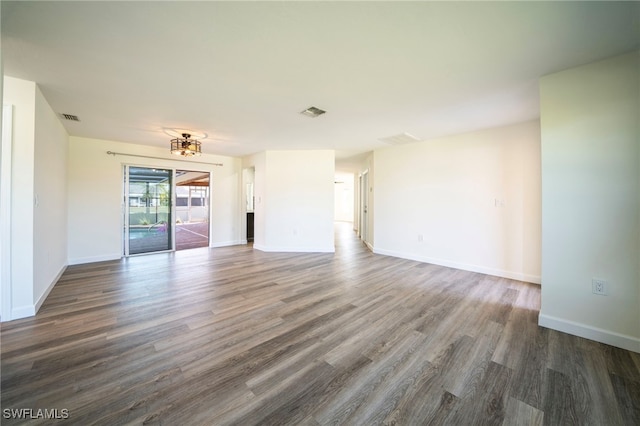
(148, 222)
(192, 209)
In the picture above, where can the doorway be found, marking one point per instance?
(248, 180)
(192, 209)
(364, 207)
(165, 210)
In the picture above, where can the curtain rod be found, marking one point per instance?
(160, 158)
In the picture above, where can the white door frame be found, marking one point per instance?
(364, 206)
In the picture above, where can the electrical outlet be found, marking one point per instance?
(599, 287)
(420, 238)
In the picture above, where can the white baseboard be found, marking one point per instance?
(226, 243)
(535, 279)
(44, 295)
(623, 341)
(22, 312)
(31, 310)
(330, 249)
(93, 259)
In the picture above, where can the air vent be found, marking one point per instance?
(70, 117)
(401, 139)
(312, 112)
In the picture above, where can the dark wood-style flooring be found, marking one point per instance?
(237, 336)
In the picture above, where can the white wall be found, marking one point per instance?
(4, 221)
(95, 183)
(294, 193)
(470, 201)
(226, 200)
(50, 203)
(344, 197)
(38, 197)
(5, 210)
(22, 95)
(591, 200)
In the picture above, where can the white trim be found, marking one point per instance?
(124, 209)
(227, 243)
(623, 341)
(464, 266)
(93, 259)
(5, 213)
(48, 290)
(23, 312)
(329, 249)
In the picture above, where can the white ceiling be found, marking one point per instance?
(242, 71)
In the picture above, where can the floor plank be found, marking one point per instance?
(233, 335)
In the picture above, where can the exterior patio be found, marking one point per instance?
(188, 236)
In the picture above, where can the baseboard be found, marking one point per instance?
(226, 243)
(618, 340)
(261, 247)
(31, 310)
(23, 312)
(93, 259)
(464, 266)
(44, 295)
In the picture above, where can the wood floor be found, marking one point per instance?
(237, 336)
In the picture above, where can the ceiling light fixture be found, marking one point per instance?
(185, 146)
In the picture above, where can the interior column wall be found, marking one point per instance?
(22, 95)
(38, 198)
(50, 199)
(591, 200)
(294, 200)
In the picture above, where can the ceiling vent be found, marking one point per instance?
(70, 117)
(312, 112)
(401, 139)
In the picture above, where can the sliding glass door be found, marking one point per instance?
(148, 223)
(192, 209)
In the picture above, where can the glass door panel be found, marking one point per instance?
(192, 209)
(148, 221)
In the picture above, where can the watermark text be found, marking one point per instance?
(35, 413)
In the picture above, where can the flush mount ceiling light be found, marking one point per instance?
(312, 112)
(185, 146)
